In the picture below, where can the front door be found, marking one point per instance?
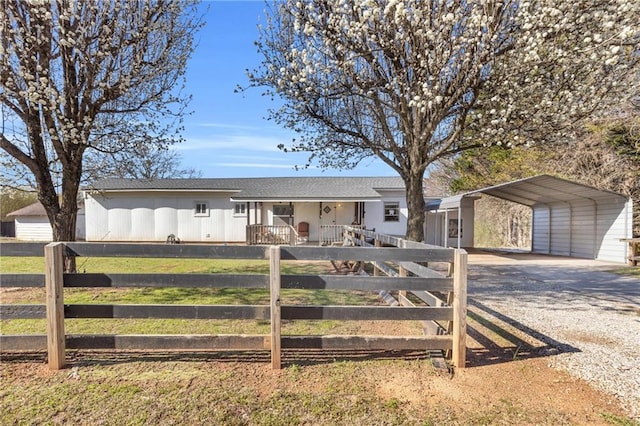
(328, 213)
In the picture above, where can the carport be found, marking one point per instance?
(569, 219)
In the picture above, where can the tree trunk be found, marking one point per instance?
(62, 210)
(415, 205)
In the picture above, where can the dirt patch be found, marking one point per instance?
(315, 387)
(588, 338)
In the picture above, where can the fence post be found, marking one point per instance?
(274, 287)
(458, 356)
(54, 279)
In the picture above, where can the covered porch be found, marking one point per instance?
(318, 222)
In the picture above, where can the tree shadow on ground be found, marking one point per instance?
(289, 357)
(494, 338)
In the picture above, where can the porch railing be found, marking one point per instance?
(330, 234)
(287, 234)
(271, 234)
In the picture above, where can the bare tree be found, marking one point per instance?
(78, 76)
(142, 161)
(415, 81)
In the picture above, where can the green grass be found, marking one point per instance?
(35, 265)
(184, 296)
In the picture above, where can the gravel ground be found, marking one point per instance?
(590, 319)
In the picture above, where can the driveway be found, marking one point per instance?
(555, 279)
(585, 319)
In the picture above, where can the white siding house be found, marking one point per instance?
(569, 219)
(219, 210)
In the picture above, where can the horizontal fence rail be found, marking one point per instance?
(444, 296)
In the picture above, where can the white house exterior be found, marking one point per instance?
(219, 210)
(32, 223)
(569, 219)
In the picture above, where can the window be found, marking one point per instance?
(240, 209)
(283, 214)
(392, 212)
(453, 228)
(282, 210)
(202, 208)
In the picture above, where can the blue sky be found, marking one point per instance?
(228, 134)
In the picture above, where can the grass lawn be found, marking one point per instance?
(175, 295)
(35, 265)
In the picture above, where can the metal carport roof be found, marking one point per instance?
(537, 190)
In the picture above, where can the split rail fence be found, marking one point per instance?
(407, 257)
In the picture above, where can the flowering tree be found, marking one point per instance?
(415, 81)
(82, 76)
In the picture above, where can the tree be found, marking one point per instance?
(12, 199)
(78, 76)
(415, 81)
(605, 154)
(142, 161)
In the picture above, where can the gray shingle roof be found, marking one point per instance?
(262, 189)
(531, 191)
(35, 209)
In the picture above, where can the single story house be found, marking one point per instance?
(32, 223)
(222, 209)
(568, 218)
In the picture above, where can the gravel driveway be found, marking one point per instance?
(589, 318)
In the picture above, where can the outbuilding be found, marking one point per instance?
(568, 218)
(32, 223)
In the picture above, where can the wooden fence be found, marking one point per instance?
(451, 312)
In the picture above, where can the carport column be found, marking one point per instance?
(274, 286)
(460, 223)
(54, 282)
(459, 352)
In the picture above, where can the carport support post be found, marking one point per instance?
(274, 286)
(54, 279)
(459, 351)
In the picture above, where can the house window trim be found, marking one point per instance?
(288, 207)
(196, 209)
(243, 208)
(391, 205)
